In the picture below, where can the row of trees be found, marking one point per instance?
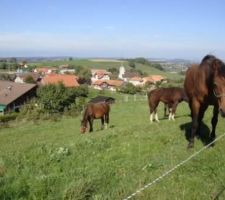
(143, 61)
(10, 64)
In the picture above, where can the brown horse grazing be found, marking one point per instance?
(205, 85)
(171, 97)
(95, 111)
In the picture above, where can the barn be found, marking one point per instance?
(13, 95)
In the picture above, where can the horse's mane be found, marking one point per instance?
(208, 59)
(209, 62)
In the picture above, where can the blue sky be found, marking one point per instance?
(113, 28)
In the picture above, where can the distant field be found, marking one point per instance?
(52, 160)
(105, 60)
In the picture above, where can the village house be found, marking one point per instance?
(136, 81)
(66, 79)
(99, 74)
(45, 70)
(64, 69)
(13, 95)
(112, 85)
(23, 65)
(128, 75)
(153, 79)
(67, 71)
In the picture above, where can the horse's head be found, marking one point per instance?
(83, 126)
(219, 84)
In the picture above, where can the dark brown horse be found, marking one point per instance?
(171, 97)
(95, 111)
(205, 85)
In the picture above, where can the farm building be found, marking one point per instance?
(100, 74)
(13, 95)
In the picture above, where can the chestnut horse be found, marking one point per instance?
(205, 85)
(171, 97)
(95, 111)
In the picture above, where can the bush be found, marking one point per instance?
(129, 88)
(58, 98)
(8, 117)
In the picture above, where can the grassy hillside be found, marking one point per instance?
(52, 160)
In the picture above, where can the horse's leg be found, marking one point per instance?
(173, 111)
(165, 109)
(152, 111)
(102, 121)
(156, 116)
(200, 117)
(106, 120)
(195, 106)
(214, 123)
(90, 120)
(170, 113)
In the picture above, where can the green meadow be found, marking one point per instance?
(52, 160)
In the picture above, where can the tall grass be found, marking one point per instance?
(52, 160)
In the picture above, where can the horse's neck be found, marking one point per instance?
(204, 75)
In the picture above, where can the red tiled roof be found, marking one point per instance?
(136, 78)
(153, 78)
(116, 83)
(157, 77)
(100, 72)
(67, 80)
(93, 71)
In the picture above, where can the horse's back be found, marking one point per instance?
(166, 95)
(98, 110)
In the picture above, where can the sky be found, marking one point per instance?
(187, 29)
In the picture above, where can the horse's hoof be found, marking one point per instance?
(211, 141)
(211, 145)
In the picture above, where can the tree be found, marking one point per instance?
(131, 63)
(29, 79)
(84, 74)
(3, 65)
(114, 72)
(129, 88)
(57, 98)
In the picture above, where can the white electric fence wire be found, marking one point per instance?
(171, 170)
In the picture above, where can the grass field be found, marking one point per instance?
(52, 160)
